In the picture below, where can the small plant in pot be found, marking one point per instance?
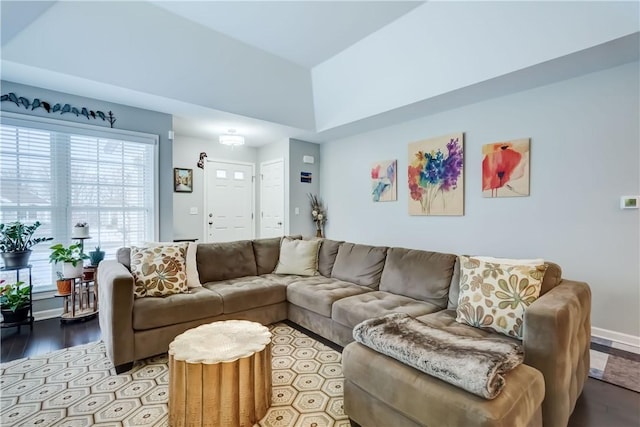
(96, 256)
(63, 285)
(71, 258)
(15, 301)
(16, 241)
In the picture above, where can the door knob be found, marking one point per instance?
(279, 223)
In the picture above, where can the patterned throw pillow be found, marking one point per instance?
(159, 270)
(495, 296)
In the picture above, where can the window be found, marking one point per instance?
(64, 174)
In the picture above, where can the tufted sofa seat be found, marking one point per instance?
(357, 282)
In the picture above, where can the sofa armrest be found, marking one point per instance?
(557, 336)
(115, 293)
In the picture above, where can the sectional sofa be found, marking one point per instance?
(355, 282)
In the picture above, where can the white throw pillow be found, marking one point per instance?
(298, 257)
(193, 277)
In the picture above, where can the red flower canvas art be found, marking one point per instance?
(505, 169)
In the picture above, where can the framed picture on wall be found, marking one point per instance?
(182, 180)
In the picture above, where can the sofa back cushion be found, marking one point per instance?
(422, 275)
(266, 252)
(552, 277)
(359, 264)
(123, 256)
(327, 256)
(228, 260)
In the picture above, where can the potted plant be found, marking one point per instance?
(16, 240)
(15, 302)
(71, 258)
(96, 256)
(63, 285)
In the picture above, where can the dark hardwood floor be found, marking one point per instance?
(600, 405)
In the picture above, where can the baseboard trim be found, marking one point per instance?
(47, 314)
(617, 337)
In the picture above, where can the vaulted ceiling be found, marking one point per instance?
(312, 70)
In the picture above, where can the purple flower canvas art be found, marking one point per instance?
(435, 176)
(383, 181)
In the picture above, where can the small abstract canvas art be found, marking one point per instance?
(384, 181)
(505, 169)
(436, 176)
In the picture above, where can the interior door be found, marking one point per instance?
(272, 199)
(229, 201)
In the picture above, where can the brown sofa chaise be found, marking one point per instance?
(356, 282)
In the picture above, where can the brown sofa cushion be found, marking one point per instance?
(359, 264)
(422, 275)
(245, 293)
(318, 293)
(199, 303)
(123, 255)
(266, 252)
(327, 256)
(223, 261)
(352, 310)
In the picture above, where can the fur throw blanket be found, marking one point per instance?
(473, 364)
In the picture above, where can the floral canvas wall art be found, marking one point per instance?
(384, 181)
(436, 176)
(505, 169)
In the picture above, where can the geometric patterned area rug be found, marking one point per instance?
(78, 387)
(614, 365)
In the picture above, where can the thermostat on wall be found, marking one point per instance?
(629, 202)
(308, 159)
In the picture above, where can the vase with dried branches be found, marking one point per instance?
(318, 214)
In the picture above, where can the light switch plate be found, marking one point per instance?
(297, 211)
(629, 202)
(193, 211)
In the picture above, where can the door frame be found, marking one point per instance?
(205, 188)
(285, 223)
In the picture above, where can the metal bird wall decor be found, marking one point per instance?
(203, 156)
(66, 108)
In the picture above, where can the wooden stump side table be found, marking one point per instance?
(220, 375)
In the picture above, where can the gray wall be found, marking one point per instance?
(186, 152)
(298, 191)
(584, 155)
(128, 118)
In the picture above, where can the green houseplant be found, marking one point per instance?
(71, 258)
(16, 241)
(15, 301)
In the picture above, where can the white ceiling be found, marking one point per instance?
(249, 65)
(306, 33)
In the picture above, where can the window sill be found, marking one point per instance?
(44, 292)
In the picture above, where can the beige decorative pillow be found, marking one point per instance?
(298, 257)
(193, 277)
(495, 295)
(159, 270)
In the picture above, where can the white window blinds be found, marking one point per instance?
(61, 175)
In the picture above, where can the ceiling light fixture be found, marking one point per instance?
(231, 139)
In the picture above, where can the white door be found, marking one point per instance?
(272, 199)
(228, 201)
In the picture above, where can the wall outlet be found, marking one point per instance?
(629, 202)
(297, 211)
(193, 211)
